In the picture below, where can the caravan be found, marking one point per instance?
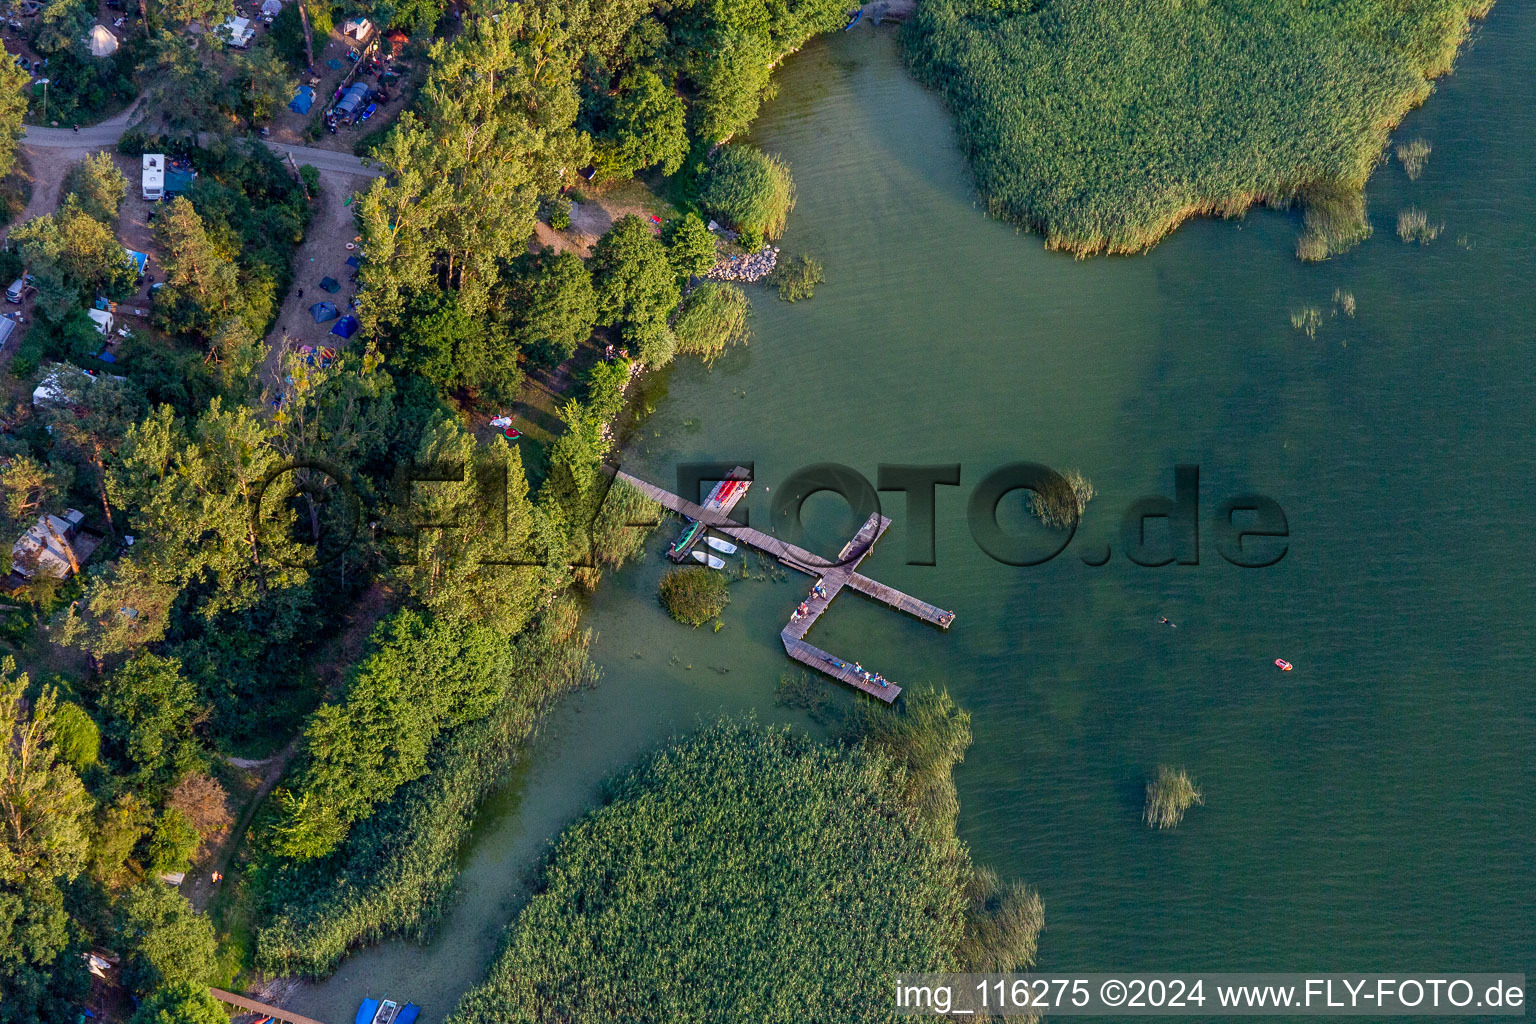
(152, 185)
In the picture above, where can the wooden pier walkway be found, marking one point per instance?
(831, 576)
(277, 1013)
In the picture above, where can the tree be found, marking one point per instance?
(265, 81)
(90, 420)
(150, 709)
(26, 487)
(124, 608)
(636, 287)
(181, 1003)
(202, 283)
(461, 537)
(42, 972)
(690, 246)
(162, 939)
(75, 736)
(74, 256)
(184, 88)
(204, 13)
(99, 186)
(646, 128)
(496, 132)
(13, 108)
(43, 806)
(119, 827)
(205, 804)
(555, 305)
(60, 23)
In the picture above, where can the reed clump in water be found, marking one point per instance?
(1307, 319)
(1169, 796)
(1344, 302)
(693, 594)
(1062, 502)
(1413, 155)
(1334, 222)
(1413, 226)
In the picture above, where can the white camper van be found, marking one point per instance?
(153, 182)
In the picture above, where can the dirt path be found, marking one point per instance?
(323, 254)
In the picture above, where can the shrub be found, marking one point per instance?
(713, 317)
(750, 190)
(796, 278)
(693, 594)
(172, 844)
(560, 213)
(1169, 796)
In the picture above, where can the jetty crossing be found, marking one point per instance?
(832, 578)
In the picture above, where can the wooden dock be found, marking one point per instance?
(277, 1013)
(832, 577)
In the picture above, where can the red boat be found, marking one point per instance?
(1282, 665)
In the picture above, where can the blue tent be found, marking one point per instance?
(354, 262)
(302, 100)
(345, 327)
(323, 312)
(140, 260)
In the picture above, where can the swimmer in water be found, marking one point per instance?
(1164, 622)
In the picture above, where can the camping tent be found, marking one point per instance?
(355, 97)
(271, 8)
(101, 41)
(357, 27)
(302, 100)
(140, 259)
(238, 32)
(330, 284)
(345, 327)
(323, 312)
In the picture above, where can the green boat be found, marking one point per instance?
(689, 536)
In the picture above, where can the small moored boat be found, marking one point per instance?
(386, 1011)
(709, 560)
(853, 19)
(725, 547)
(1282, 665)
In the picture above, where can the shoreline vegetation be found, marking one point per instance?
(1105, 124)
(746, 815)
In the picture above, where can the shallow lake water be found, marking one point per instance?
(1372, 809)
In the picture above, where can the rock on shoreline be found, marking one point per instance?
(750, 267)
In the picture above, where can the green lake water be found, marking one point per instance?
(1372, 809)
